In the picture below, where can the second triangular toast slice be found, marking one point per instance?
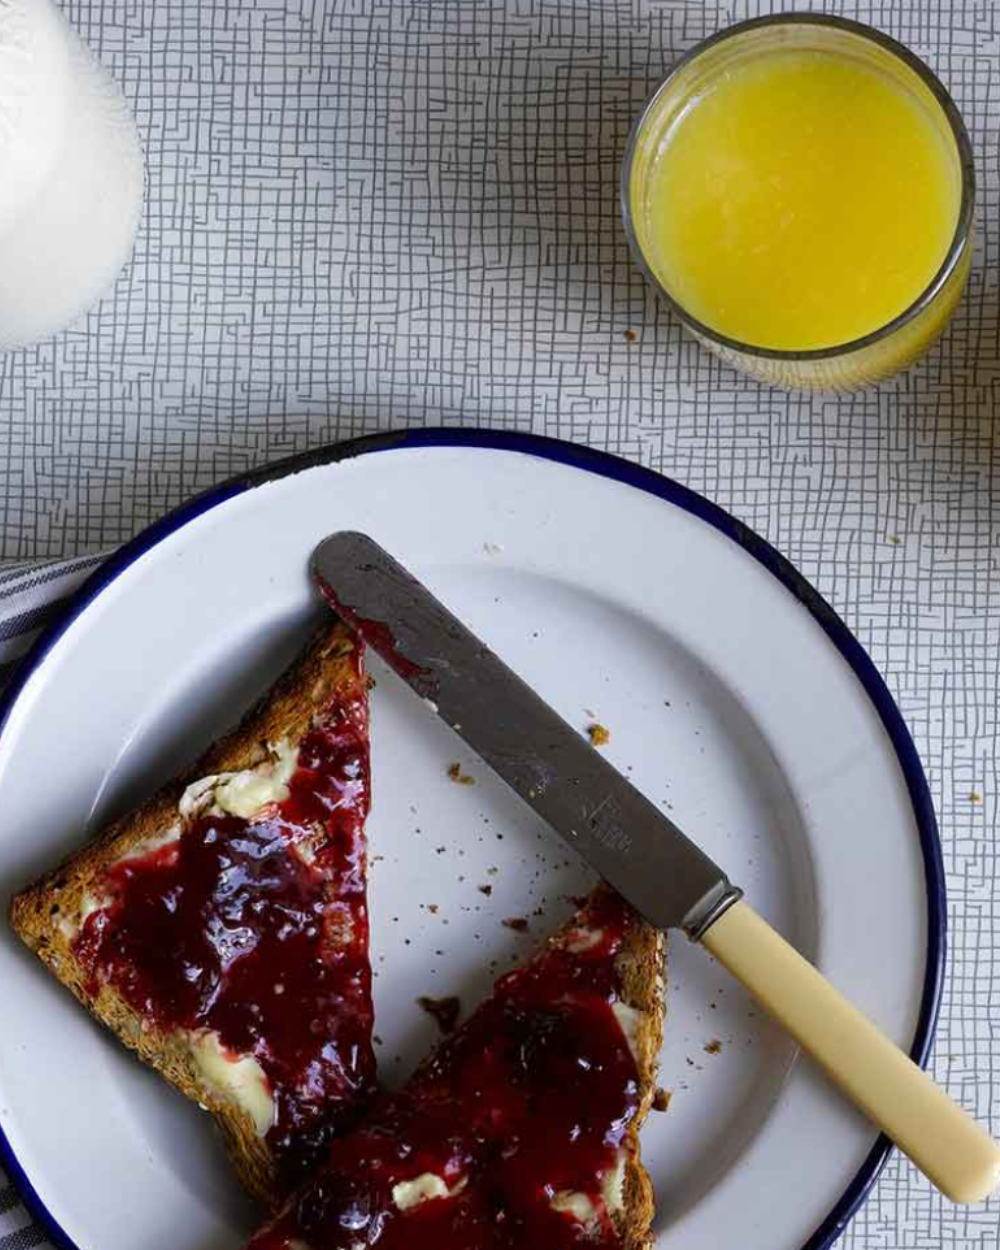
(221, 929)
(520, 1132)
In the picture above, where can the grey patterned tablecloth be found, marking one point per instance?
(373, 213)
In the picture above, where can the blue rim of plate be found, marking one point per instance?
(652, 483)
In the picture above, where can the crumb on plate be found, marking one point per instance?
(456, 774)
(444, 1011)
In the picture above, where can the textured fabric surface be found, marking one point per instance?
(384, 213)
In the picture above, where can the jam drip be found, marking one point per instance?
(513, 1124)
(258, 930)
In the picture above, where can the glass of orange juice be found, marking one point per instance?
(800, 190)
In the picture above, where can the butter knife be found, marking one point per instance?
(644, 855)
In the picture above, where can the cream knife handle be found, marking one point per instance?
(945, 1143)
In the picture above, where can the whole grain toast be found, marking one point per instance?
(85, 919)
(473, 1153)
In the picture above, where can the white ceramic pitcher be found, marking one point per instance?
(71, 174)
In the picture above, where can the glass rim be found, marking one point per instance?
(956, 249)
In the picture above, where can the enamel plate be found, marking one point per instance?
(734, 697)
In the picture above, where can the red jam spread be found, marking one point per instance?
(381, 639)
(236, 927)
(513, 1124)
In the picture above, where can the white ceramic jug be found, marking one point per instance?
(71, 174)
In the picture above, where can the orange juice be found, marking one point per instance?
(796, 187)
(804, 201)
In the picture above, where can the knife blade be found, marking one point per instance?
(644, 855)
(616, 829)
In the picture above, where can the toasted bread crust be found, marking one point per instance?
(328, 665)
(641, 967)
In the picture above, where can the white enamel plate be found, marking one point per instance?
(734, 697)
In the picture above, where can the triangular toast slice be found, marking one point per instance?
(521, 1131)
(221, 929)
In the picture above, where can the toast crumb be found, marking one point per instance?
(599, 734)
(456, 774)
(443, 1011)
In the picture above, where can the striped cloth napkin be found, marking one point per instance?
(31, 596)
